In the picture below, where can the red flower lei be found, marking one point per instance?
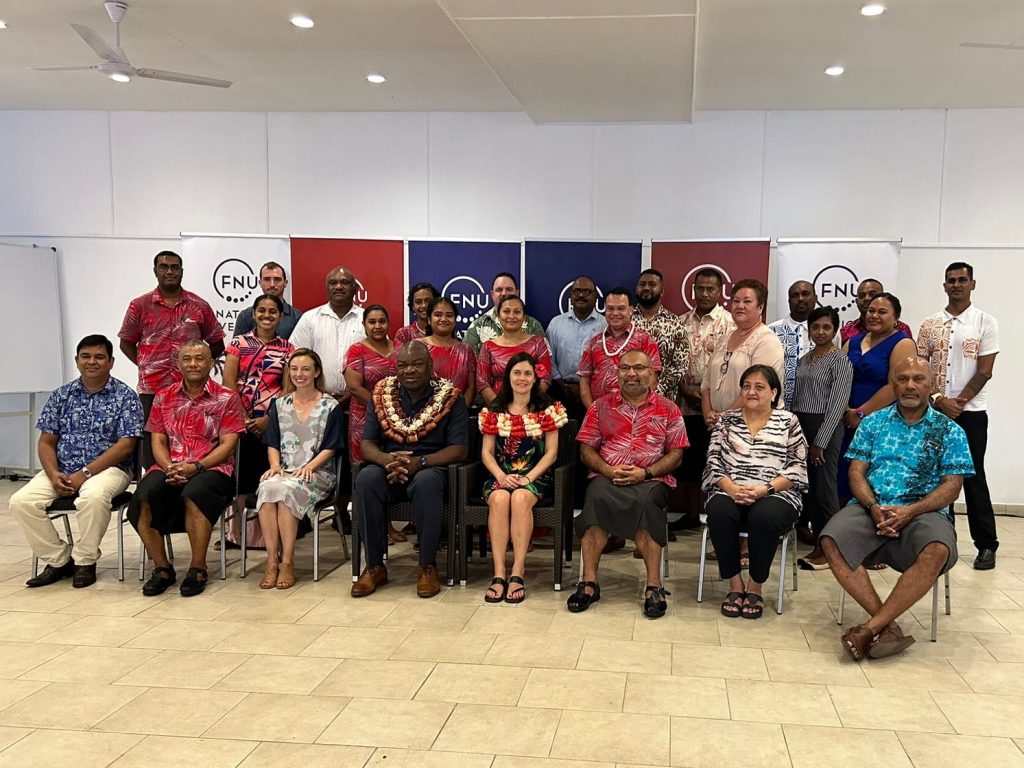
(528, 425)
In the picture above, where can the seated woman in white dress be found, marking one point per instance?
(302, 436)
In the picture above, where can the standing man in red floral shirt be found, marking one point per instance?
(631, 440)
(157, 324)
(195, 427)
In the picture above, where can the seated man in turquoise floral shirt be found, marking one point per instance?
(908, 464)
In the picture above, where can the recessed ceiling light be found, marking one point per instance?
(376, 79)
(3, 24)
(872, 9)
(119, 77)
(302, 22)
(835, 70)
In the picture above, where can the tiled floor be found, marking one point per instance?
(309, 677)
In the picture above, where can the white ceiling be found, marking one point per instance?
(573, 61)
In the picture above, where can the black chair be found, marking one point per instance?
(403, 511)
(554, 512)
(64, 506)
(327, 504)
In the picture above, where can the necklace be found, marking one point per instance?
(405, 429)
(617, 352)
(527, 425)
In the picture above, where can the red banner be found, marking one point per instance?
(680, 262)
(378, 266)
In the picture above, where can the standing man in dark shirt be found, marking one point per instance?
(415, 426)
(273, 281)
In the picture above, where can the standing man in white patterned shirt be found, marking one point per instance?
(792, 332)
(961, 343)
(703, 325)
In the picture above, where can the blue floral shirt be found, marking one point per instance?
(907, 461)
(87, 424)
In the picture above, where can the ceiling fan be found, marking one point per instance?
(115, 63)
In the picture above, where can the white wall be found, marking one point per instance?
(106, 188)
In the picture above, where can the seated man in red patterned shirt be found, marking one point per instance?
(195, 426)
(631, 440)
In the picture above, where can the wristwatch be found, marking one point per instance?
(648, 475)
(772, 490)
(86, 473)
(423, 462)
(861, 414)
(199, 466)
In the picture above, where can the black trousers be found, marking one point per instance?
(764, 521)
(822, 498)
(373, 493)
(980, 517)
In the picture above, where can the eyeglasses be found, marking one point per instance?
(634, 368)
(724, 369)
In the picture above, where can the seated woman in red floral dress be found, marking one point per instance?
(520, 430)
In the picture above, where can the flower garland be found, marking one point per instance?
(405, 429)
(528, 425)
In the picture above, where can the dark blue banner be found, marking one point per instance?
(463, 271)
(551, 267)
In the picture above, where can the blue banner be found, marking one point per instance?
(463, 272)
(551, 268)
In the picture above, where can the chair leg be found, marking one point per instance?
(842, 605)
(463, 555)
(948, 609)
(556, 534)
(567, 539)
(170, 547)
(796, 568)
(357, 552)
(935, 611)
(341, 533)
(223, 548)
(316, 545)
(782, 574)
(142, 561)
(35, 566)
(703, 563)
(243, 566)
(67, 529)
(120, 545)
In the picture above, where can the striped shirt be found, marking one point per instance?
(823, 387)
(779, 448)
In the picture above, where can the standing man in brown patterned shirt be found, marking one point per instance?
(666, 328)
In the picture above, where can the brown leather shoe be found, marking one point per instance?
(857, 640)
(369, 580)
(889, 642)
(427, 582)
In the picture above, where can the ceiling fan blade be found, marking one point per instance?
(64, 69)
(99, 45)
(179, 77)
(993, 46)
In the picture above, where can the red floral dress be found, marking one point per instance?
(373, 367)
(493, 359)
(457, 364)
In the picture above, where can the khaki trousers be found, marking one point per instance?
(29, 504)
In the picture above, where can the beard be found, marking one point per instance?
(648, 302)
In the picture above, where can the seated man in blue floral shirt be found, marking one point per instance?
(908, 464)
(88, 428)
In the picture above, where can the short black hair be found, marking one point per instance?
(652, 271)
(422, 287)
(770, 375)
(509, 275)
(276, 299)
(620, 291)
(956, 265)
(95, 340)
(167, 253)
(376, 308)
(511, 297)
(273, 265)
(819, 312)
(710, 272)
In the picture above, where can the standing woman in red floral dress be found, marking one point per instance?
(453, 359)
(495, 353)
(520, 445)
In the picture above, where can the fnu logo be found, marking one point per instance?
(235, 281)
(470, 298)
(836, 285)
(565, 298)
(362, 297)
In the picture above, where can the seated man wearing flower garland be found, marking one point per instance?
(415, 426)
(631, 440)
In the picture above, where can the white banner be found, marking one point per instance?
(225, 270)
(835, 269)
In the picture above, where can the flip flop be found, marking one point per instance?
(491, 595)
(520, 594)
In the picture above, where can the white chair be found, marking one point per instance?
(935, 606)
(786, 538)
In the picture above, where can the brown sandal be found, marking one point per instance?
(286, 576)
(269, 580)
(395, 536)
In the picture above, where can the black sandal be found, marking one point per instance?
(732, 606)
(754, 608)
(492, 595)
(194, 582)
(579, 601)
(655, 603)
(158, 582)
(520, 594)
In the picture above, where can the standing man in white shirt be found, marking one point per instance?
(329, 330)
(792, 332)
(961, 343)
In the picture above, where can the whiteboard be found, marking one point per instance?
(30, 297)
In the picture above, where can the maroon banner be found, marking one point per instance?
(680, 262)
(378, 266)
